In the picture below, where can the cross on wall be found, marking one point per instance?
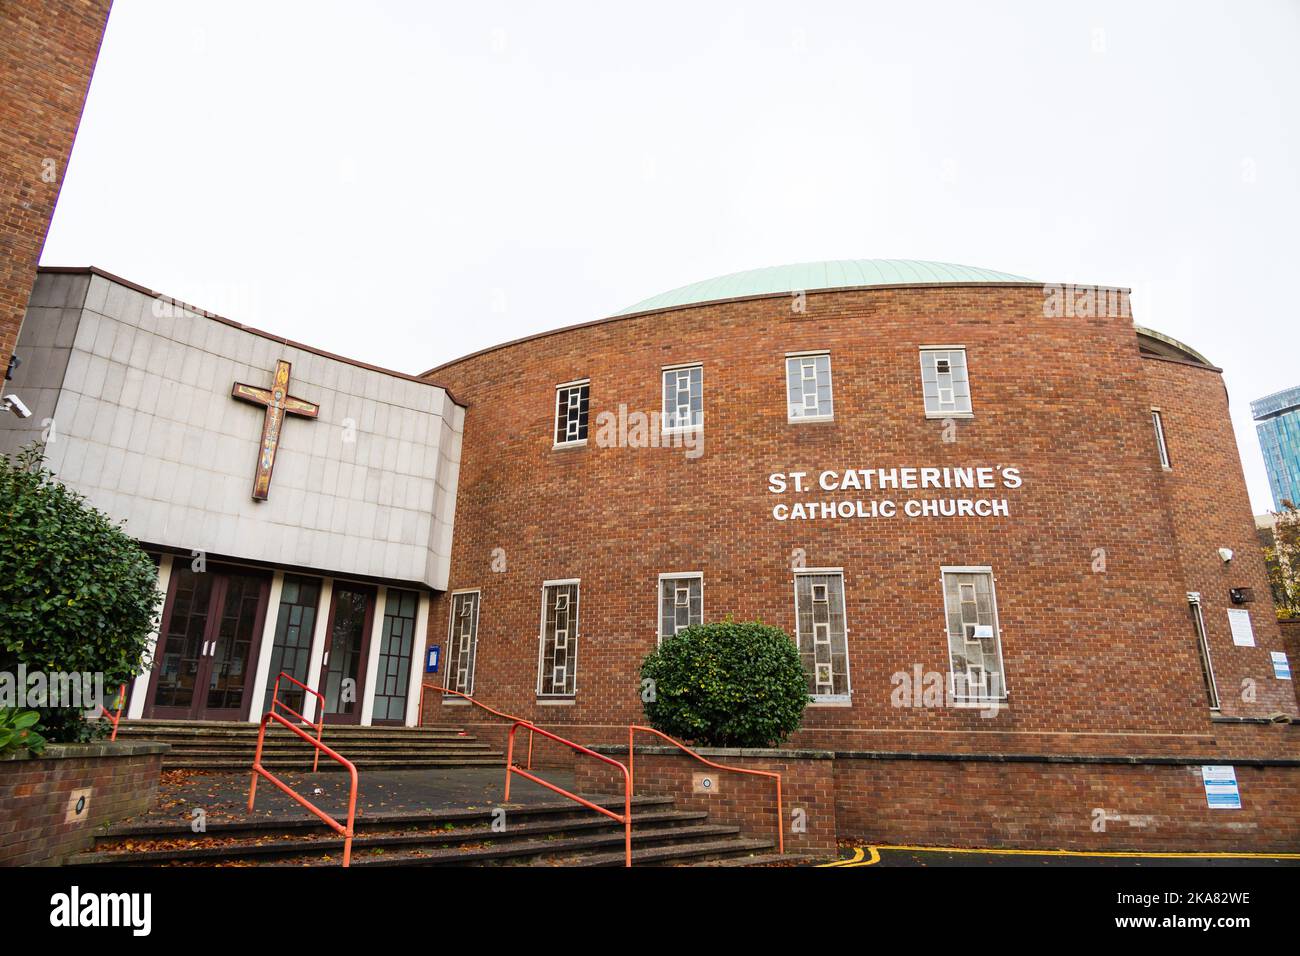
(278, 403)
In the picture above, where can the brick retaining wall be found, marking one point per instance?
(39, 824)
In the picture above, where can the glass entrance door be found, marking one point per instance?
(343, 665)
(207, 644)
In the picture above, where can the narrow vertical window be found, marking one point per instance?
(462, 641)
(683, 397)
(572, 401)
(557, 659)
(397, 642)
(974, 637)
(808, 387)
(295, 623)
(681, 602)
(944, 382)
(1203, 646)
(1159, 425)
(821, 632)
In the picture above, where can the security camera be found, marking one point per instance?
(1225, 554)
(15, 404)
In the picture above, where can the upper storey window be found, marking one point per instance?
(683, 397)
(572, 401)
(1158, 423)
(944, 382)
(808, 387)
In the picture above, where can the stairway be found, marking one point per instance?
(544, 834)
(220, 745)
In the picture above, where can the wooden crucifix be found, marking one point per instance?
(278, 403)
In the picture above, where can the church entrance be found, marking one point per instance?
(347, 645)
(207, 644)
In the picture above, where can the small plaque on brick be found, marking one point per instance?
(705, 783)
(78, 806)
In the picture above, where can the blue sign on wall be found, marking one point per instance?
(431, 664)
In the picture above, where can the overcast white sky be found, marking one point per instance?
(407, 182)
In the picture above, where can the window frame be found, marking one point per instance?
(665, 428)
(970, 398)
(1162, 440)
(790, 417)
(659, 598)
(826, 700)
(1203, 651)
(468, 691)
(968, 700)
(555, 425)
(572, 639)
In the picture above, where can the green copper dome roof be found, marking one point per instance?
(808, 276)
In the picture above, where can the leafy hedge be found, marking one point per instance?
(726, 684)
(77, 594)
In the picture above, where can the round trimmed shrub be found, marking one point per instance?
(726, 684)
(77, 593)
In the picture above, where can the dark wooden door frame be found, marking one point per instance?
(323, 669)
(216, 599)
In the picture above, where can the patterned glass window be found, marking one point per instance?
(571, 407)
(821, 630)
(681, 603)
(294, 625)
(944, 382)
(557, 664)
(974, 639)
(1159, 425)
(397, 644)
(683, 397)
(462, 641)
(808, 387)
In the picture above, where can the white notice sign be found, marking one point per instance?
(1221, 791)
(1242, 633)
(1281, 666)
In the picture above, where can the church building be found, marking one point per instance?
(1006, 528)
(299, 504)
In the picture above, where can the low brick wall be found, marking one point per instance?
(743, 800)
(43, 818)
(990, 800)
(1054, 802)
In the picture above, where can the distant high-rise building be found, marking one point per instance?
(1277, 419)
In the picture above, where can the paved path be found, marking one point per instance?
(224, 796)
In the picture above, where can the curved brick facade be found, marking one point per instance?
(1092, 564)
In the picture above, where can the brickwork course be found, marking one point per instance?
(1099, 657)
(47, 54)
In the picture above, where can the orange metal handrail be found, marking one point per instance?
(117, 714)
(490, 710)
(625, 818)
(345, 831)
(320, 722)
(631, 763)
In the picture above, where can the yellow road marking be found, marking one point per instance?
(858, 854)
(1122, 854)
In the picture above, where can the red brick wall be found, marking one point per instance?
(1290, 631)
(1096, 662)
(47, 52)
(1035, 805)
(746, 801)
(1205, 494)
(970, 803)
(35, 795)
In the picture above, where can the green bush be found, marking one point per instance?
(726, 684)
(77, 594)
(19, 732)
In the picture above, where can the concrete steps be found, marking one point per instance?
(554, 834)
(213, 745)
